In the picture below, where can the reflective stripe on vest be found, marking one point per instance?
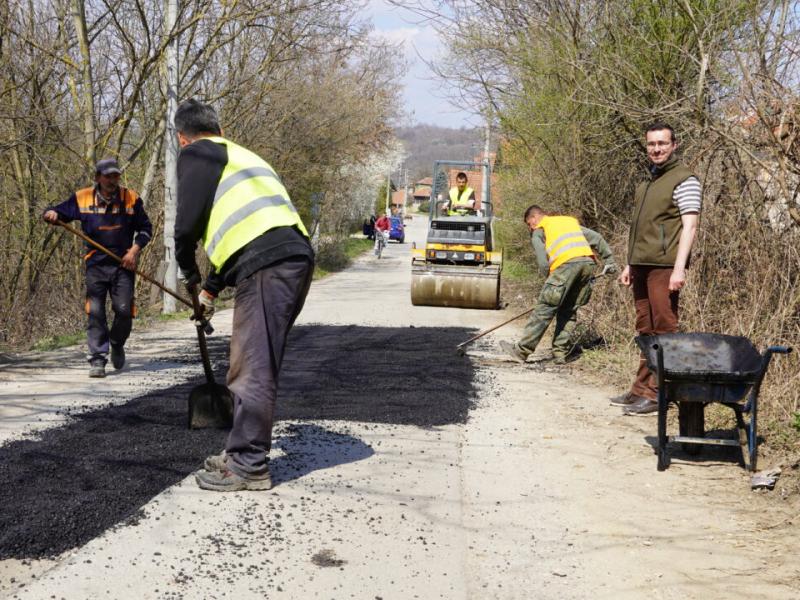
(563, 240)
(250, 200)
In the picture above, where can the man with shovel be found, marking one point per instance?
(113, 216)
(233, 201)
(564, 253)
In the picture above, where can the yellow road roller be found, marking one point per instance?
(459, 265)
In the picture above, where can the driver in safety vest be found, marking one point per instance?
(565, 252)
(233, 202)
(462, 197)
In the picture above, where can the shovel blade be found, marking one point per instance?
(210, 406)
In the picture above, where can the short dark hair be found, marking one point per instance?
(533, 208)
(461, 175)
(194, 117)
(659, 126)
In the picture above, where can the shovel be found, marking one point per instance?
(460, 348)
(210, 404)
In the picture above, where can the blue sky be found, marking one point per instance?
(422, 101)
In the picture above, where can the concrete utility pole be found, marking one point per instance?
(170, 159)
(388, 191)
(485, 200)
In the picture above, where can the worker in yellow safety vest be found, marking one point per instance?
(462, 197)
(232, 201)
(565, 253)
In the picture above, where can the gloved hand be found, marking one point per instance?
(207, 299)
(189, 279)
(610, 269)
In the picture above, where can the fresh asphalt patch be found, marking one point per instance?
(75, 481)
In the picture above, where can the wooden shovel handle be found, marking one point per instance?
(105, 250)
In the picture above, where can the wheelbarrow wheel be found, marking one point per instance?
(691, 422)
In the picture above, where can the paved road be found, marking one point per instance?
(544, 492)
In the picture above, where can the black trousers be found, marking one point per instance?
(265, 307)
(101, 281)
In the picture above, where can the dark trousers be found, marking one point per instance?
(101, 281)
(656, 312)
(566, 289)
(265, 308)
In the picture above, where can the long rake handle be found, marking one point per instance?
(105, 250)
(483, 333)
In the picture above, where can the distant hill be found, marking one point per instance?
(426, 143)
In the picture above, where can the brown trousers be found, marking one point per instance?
(656, 312)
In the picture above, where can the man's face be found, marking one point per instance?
(109, 184)
(461, 184)
(660, 146)
(533, 221)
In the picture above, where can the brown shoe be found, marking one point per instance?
(626, 399)
(644, 406)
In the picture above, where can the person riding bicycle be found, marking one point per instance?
(382, 227)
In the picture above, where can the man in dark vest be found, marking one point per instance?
(662, 232)
(232, 201)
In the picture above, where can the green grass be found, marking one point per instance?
(337, 257)
(59, 341)
(516, 271)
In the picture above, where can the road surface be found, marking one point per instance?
(403, 471)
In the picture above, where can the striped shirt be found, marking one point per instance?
(687, 196)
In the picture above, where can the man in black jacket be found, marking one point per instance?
(231, 200)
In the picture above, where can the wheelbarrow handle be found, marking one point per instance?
(779, 349)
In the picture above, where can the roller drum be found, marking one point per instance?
(461, 287)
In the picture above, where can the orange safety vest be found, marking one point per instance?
(563, 240)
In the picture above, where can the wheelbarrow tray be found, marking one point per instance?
(703, 357)
(695, 369)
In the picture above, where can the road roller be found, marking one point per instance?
(459, 265)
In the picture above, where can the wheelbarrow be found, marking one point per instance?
(696, 369)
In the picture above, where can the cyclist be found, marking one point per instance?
(382, 226)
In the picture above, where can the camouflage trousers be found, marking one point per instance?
(566, 289)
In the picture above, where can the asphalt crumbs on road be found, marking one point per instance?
(75, 481)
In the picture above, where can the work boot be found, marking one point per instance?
(571, 356)
(513, 351)
(217, 462)
(117, 356)
(228, 481)
(97, 368)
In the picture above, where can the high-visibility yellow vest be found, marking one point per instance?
(460, 203)
(250, 200)
(563, 240)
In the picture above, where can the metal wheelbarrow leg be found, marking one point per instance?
(663, 404)
(752, 405)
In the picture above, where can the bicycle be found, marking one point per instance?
(380, 241)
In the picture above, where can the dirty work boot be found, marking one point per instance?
(228, 481)
(217, 462)
(117, 356)
(571, 356)
(513, 352)
(98, 368)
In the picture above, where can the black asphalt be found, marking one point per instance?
(75, 481)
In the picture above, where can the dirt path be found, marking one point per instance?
(403, 472)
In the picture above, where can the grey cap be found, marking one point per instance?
(107, 166)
